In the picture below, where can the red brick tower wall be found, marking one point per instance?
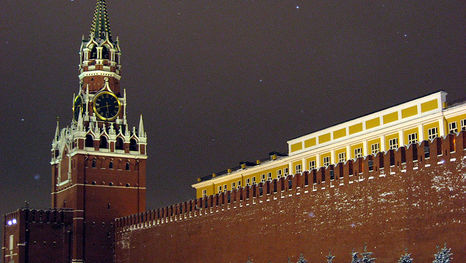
(98, 195)
(406, 199)
(39, 236)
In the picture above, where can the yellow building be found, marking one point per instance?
(420, 119)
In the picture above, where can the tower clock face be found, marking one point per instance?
(106, 106)
(77, 106)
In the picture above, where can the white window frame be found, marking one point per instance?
(463, 124)
(12, 242)
(219, 189)
(279, 173)
(225, 188)
(263, 178)
(342, 157)
(452, 127)
(239, 184)
(253, 180)
(432, 133)
(393, 144)
(248, 181)
(412, 138)
(204, 193)
(286, 172)
(269, 176)
(375, 148)
(357, 152)
(233, 185)
(326, 161)
(312, 165)
(298, 169)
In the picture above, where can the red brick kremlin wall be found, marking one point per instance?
(410, 198)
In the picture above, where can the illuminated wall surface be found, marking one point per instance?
(404, 199)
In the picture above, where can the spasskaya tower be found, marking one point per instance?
(98, 161)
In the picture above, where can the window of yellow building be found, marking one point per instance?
(233, 186)
(204, 193)
(239, 184)
(357, 152)
(412, 138)
(298, 169)
(463, 124)
(342, 157)
(248, 182)
(375, 148)
(286, 171)
(279, 173)
(269, 175)
(432, 133)
(452, 127)
(326, 161)
(312, 165)
(263, 178)
(254, 180)
(393, 144)
(219, 189)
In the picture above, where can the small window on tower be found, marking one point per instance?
(119, 143)
(93, 163)
(89, 141)
(133, 145)
(105, 53)
(94, 53)
(103, 142)
(110, 165)
(127, 166)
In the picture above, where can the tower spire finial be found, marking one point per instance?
(100, 28)
(141, 127)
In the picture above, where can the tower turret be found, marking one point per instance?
(100, 54)
(98, 162)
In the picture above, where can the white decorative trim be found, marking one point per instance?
(101, 186)
(132, 155)
(91, 73)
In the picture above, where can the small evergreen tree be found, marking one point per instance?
(367, 256)
(354, 257)
(443, 255)
(406, 258)
(330, 257)
(301, 259)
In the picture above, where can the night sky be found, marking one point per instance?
(218, 82)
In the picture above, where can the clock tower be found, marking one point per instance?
(98, 161)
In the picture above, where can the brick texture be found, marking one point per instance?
(411, 199)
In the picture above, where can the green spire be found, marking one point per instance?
(100, 24)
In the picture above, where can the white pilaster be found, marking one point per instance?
(401, 138)
(421, 132)
(382, 143)
(332, 157)
(365, 150)
(442, 131)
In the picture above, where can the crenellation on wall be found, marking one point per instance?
(397, 195)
